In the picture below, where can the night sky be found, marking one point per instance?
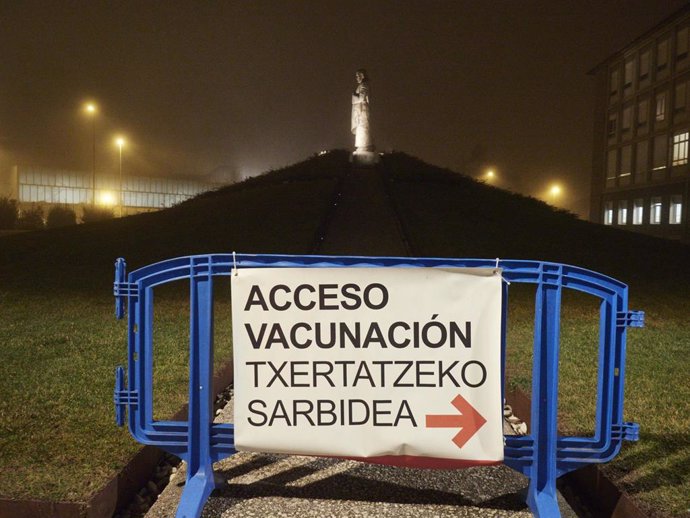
(241, 87)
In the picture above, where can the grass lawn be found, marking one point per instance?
(58, 438)
(448, 216)
(654, 470)
(60, 342)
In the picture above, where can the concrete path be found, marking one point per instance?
(363, 223)
(263, 485)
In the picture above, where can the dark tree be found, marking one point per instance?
(93, 214)
(61, 217)
(8, 213)
(31, 219)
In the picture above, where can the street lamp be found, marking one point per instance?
(120, 143)
(490, 175)
(555, 191)
(91, 110)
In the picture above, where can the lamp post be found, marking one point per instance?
(91, 110)
(120, 143)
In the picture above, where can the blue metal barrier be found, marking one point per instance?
(542, 455)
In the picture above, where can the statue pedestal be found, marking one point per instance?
(364, 158)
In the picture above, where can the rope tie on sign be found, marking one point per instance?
(496, 271)
(234, 264)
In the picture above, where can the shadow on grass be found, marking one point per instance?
(649, 459)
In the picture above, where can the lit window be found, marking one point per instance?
(655, 211)
(638, 212)
(660, 152)
(675, 210)
(680, 148)
(622, 212)
(608, 213)
(662, 55)
(661, 106)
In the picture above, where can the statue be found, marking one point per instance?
(364, 143)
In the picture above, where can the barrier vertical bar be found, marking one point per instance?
(147, 360)
(541, 493)
(133, 335)
(142, 342)
(618, 394)
(200, 478)
(607, 337)
(120, 278)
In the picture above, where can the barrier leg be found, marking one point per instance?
(541, 493)
(200, 477)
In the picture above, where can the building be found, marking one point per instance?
(32, 186)
(640, 171)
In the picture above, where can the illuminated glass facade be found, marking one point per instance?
(37, 185)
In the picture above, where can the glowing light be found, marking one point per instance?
(490, 174)
(120, 142)
(554, 192)
(107, 198)
(90, 108)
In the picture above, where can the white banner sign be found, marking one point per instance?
(393, 365)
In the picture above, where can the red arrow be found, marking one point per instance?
(468, 419)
